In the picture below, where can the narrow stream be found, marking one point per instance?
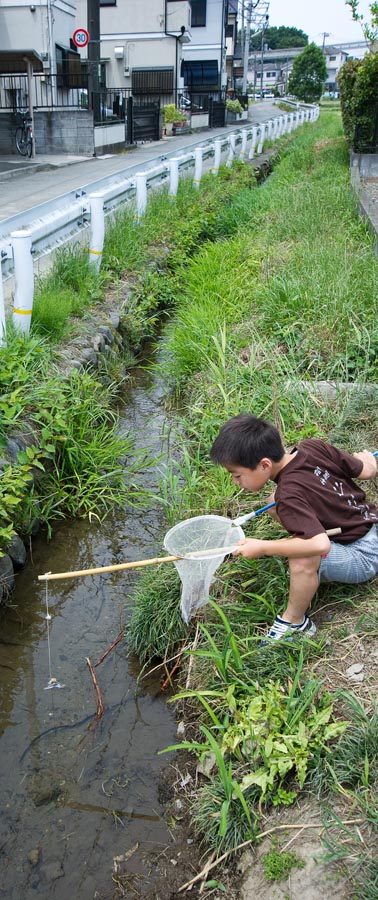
(75, 793)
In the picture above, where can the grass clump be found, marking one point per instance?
(278, 863)
(156, 624)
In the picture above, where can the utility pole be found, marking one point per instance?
(247, 37)
(264, 27)
(93, 19)
(325, 35)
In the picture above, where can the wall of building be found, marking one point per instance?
(208, 42)
(23, 28)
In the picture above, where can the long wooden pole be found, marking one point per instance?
(196, 554)
(136, 565)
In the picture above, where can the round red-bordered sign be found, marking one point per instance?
(80, 37)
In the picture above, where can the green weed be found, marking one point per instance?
(278, 864)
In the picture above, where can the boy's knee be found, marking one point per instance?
(306, 566)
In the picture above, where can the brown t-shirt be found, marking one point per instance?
(315, 491)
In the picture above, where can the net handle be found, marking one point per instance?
(197, 554)
(213, 551)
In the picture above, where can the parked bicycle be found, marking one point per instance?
(24, 135)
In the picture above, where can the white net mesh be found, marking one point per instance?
(190, 537)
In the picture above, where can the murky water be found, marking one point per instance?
(75, 793)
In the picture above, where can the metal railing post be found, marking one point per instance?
(198, 167)
(141, 195)
(24, 280)
(231, 152)
(253, 142)
(217, 157)
(173, 176)
(96, 245)
(243, 149)
(262, 138)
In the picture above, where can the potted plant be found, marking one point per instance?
(234, 111)
(172, 118)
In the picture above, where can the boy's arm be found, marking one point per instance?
(369, 464)
(292, 548)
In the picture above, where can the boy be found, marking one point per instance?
(315, 492)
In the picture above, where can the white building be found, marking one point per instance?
(204, 59)
(141, 43)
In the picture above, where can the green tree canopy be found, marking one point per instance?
(308, 74)
(280, 38)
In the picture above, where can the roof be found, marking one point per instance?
(15, 61)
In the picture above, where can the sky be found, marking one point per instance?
(316, 16)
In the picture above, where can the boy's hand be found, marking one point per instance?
(369, 467)
(250, 548)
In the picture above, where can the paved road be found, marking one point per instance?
(25, 184)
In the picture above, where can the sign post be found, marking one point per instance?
(80, 37)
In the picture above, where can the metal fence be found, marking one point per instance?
(52, 92)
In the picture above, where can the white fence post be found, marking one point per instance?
(217, 157)
(97, 230)
(253, 142)
(141, 195)
(262, 138)
(24, 280)
(3, 332)
(243, 148)
(197, 167)
(173, 176)
(231, 152)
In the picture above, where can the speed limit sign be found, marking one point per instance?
(80, 37)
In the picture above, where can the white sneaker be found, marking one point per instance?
(281, 628)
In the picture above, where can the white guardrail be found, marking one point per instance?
(20, 248)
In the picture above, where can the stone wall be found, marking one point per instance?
(64, 131)
(7, 133)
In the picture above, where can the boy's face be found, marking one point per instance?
(251, 479)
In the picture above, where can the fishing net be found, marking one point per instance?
(190, 538)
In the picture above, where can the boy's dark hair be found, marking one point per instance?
(245, 440)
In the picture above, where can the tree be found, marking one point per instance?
(370, 31)
(308, 74)
(278, 38)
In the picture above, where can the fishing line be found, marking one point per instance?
(52, 682)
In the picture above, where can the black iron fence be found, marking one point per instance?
(109, 105)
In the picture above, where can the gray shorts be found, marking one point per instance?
(351, 563)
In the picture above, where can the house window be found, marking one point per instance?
(332, 57)
(201, 76)
(198, 13)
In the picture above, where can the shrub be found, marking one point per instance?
(358, 83)
(172, 114)
(234, 106)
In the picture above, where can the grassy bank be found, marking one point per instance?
(78, 460)
(286, 301)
